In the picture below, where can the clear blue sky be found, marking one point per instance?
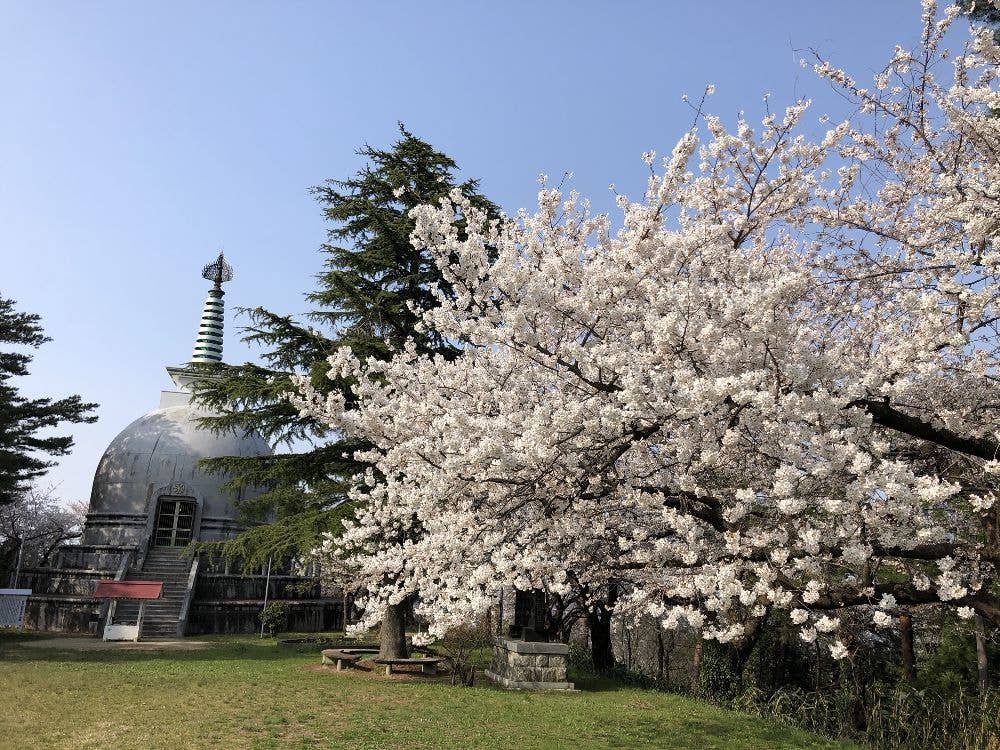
(137, 138)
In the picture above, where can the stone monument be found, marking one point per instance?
(525, 659)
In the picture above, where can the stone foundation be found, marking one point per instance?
(529, 665)
(69, 614)
(304, 616)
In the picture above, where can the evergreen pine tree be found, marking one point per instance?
(371, 277)
(23, 452)
(983, 11)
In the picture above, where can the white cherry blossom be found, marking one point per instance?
(770, 381)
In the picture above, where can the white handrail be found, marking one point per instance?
(188, 597)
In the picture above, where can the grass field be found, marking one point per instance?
(245, 693)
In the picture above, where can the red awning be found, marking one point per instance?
(128, 589)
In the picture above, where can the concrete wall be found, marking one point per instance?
(70, 614)
(242, 617)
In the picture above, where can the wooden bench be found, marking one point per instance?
(427, 664)
(344, 656)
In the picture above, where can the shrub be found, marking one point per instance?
(466, 648)
(887, 718)
(274, 617)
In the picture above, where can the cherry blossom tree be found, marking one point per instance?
(770, 384)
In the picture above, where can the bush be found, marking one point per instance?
(881, 716)
(274, 617)
(466, 648)
(580, 658)
(887, 718)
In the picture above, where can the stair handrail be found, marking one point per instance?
(142, 550)
(124, 564)
(188, 597)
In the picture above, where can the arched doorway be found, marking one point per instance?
(174, 521)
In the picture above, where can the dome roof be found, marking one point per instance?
(158, 455)
(174, 431)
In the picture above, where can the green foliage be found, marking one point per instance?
(369, 295)
(951, 666)
(375, 282)
(780, 658)
(22, 450)
(291, 536)
(717, 675)
(274, 616)
(885, 717)
(579, 658)
(466, 648)
(982, 10)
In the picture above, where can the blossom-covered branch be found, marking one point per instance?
(770, 384)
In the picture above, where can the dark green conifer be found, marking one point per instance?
(371, 276)
(24, 453)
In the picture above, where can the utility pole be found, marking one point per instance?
(267, 585)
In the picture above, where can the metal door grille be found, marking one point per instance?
(174, 522)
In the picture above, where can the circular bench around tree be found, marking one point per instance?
(345, 656)
(427, 664)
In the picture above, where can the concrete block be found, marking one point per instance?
(533, 647)
(528, 684)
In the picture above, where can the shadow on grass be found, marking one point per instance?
(15, 649)
(19, 636)
(589, 682)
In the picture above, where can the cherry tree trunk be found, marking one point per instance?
(659, 655)
(599, 623)
(392, 634)
(982, 662)
(696, 664)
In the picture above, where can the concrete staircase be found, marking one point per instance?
(172, 565)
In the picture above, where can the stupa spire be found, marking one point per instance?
(208, 343)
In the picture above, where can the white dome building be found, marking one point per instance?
(148, 488)
(151, 501)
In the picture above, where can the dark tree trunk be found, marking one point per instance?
(906, 653)
(599, 623)
(601, 649)
(743, 650)
(982, 663)
(699, 647)
(659, 655)
(8, 561)
(392, 634)
(779, 674)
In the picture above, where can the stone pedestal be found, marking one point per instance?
(529, 665)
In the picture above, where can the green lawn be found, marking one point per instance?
(244, 693)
